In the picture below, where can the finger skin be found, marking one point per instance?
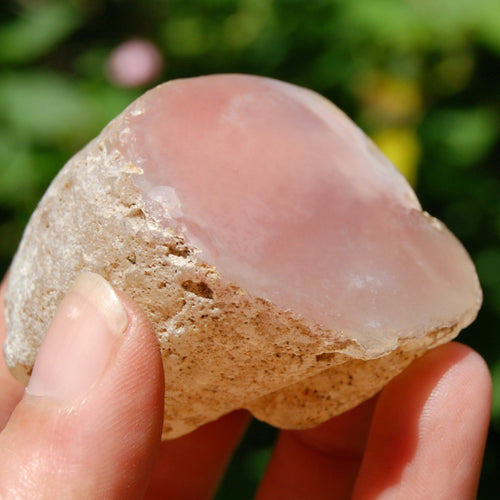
(191, 467)
(425, 440)
(429, 430)
(103, 446)
(319, 463)
(11, 391)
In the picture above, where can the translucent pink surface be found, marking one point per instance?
(289, 200)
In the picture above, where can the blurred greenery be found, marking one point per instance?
(421, 78)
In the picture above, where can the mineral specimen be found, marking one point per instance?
(286, 265)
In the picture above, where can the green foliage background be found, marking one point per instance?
(421, 77)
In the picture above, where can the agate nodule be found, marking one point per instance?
(286, 265)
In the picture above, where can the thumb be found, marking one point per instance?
(90, 421)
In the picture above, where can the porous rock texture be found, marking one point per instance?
(285, 264)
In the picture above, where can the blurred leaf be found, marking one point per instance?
(386, 22)
(45, 106)
(188, 36)
(423, 25)
(245, 477)
(464, 136)
(10, 234)
(495, 409)
(249, 462)
(24, 172)
(488, 267)
(106, 102)
(256, 462)
(17, 175)
(243, 27)
(452, 73)
(487, 14)
(270, 48)
(37, 31)
(92, 62)
(447, 23)
(463, 216)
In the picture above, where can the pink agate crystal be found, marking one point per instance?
(289, 200)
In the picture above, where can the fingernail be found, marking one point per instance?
(80, 341)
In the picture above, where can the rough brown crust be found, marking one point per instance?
(339, 388)
(221, 348)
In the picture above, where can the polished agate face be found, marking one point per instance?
(289, 200)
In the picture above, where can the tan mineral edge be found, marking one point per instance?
(222, 348)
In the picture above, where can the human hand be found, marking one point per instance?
(89, 423)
